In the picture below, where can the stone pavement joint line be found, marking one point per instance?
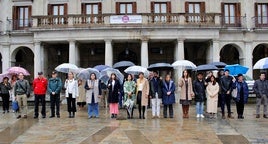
(99, 136)
(137, 137)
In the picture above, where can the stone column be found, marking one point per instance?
(37, 57)
(248, 58)
(5, 57)
(216, 51)
(108, 53)
(179, 50)
(144, 53)
(72, 52)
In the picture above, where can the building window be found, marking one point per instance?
(231, 14)
(161, 11)
(194, 10)
(58, 13)
(22, 17)
(261, 12)
(126, 8)
(92, 12)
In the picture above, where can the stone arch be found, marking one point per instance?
(23, 56)
(231, 54)
(259, 51)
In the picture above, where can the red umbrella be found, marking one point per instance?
(17, 70)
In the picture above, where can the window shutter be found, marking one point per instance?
(49, 9)
(186, 7)
(117, 7)
(134, 7)
(99, 8)
(65, 9)
(256, 10)
(169, 7)
(83, 8)
(238, 10)
(202, 7)
(30, 15)
(15, 17)
(152, 7)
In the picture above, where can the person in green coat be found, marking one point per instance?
(129, 95)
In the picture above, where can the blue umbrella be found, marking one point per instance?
(107, 73)
(101, 67)
(123, 64)
(206, 67)
(160, 66)
(236, 69)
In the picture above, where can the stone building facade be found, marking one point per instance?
(40, 34)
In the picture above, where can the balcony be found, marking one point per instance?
(260, 22)
(146, 19)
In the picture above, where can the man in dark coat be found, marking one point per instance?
(155, 94)
(199, 89)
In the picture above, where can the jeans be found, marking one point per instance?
(55, 100)
(226, 99)
(93, 109)
(156, 106)
(263, 99)
(41, 98)
(22, 102)
(170, 107)
(5, 99)
(199, 107)
(71, 103)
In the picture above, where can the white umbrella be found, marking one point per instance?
(85, 74)
(135, 70)
(183, 63)
(106, 73)
(261, 64)
(66, 67)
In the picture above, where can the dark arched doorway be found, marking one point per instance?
(24, 57)
(259, 52)
(229, 54)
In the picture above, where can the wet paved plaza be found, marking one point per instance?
(81, 130)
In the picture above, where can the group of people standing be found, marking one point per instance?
(137, 93)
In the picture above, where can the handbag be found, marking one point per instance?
(234, 93)
(15, 105)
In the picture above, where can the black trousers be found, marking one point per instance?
(41, 98)
(226, 99)
(5, 98)
(55, 101)
(71, 103)
(170, 108)
(240, 108)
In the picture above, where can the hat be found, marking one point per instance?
(239, 75)
(6, 78)
(54, 72)
(227, 70)
(40, 73)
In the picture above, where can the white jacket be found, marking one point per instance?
(75, 92)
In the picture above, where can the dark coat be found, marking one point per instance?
(199, 89)
(4, 89)
(113, 96)
(152, 91)
(226, 84)
(237, 85)
(168, 99)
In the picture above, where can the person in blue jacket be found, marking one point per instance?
(168, 95)
(54, 89)
(242, 95)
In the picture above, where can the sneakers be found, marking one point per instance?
(202, 116)
(198, 115)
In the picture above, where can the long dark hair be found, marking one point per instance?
(214, 82)
(114, 76)
(183, 73)
(94, 75)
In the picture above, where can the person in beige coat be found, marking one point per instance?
(142, 94)
(212, 96)
(81, 99)
(186, 94)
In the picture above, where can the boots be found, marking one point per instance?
(187, 111)
(73, 115)
(223, 115)
(70, 115)
(184, 111)
(230, 116)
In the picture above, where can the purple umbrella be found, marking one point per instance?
(17, 70)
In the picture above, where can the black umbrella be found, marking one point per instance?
(206, 67)
(160, 66)
(123, 64)
(218, 64)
